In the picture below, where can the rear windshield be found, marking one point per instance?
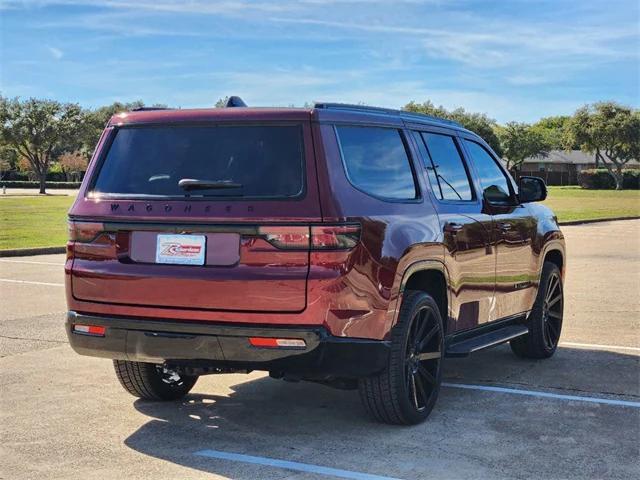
(211, 161)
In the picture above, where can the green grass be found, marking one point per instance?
(33, 221)
(41, 221)
(575, 203)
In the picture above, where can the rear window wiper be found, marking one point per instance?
(195, 184)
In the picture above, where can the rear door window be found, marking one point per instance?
(228, 161)
(376, 162)
(448, 174)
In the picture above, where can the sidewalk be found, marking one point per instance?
(33, 192)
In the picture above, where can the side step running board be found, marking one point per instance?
(462, 348)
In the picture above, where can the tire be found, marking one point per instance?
(545, 319)
(405, 392)
(152, 382)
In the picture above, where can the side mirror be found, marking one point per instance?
(531, 189)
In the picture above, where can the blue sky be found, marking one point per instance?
(514, 60)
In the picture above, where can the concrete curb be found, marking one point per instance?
(596, 220)
(23, 252)
(20, 252)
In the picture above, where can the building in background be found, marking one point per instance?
(562, 167)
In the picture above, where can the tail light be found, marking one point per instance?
(89, 240)
(334, 237)
(84, 231)
(315, 237)
(285, 237)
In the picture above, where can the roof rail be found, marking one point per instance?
(147, 109)
(386, 111)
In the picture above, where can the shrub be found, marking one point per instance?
(16, 175)
(51, 185)
(56, 177)
(600, 179)
(631, 179)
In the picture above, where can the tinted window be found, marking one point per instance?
(447, 173)
(493, 181)
(376, 161)
(261, 161)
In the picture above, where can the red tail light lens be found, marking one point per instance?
(84, 231)
(89, 240)
(286, 237)
(316, 237)
(334, 237)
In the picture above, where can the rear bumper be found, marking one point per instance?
(224, 345)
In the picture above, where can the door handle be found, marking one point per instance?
(453, 227)
(504, 226)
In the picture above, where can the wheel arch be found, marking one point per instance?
(554, 255)
(431, 277)
(554, 251)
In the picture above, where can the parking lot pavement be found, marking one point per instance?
(65, 416)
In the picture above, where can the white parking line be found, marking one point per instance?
(599, 347)
(32, 262)
(28, 282)
(299, 467)
(533, 393)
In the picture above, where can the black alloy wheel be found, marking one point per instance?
(545, 319)
(423, 358)
(407, 389)
(552, 311)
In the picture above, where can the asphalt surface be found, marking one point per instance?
(66, 416)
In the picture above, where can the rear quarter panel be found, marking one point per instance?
(395, 234)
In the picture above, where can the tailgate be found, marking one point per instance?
(241, 270)
(208, 216)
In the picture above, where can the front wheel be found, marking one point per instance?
(150, 381)
(545, 319)
(406, 391)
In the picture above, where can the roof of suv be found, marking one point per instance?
(320, 112)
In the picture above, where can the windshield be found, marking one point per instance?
(248, 161)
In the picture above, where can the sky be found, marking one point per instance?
(514, 60)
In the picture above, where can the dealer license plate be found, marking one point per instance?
(181, 249)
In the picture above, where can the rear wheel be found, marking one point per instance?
(545, 319)
(406, 391)
(151, 381)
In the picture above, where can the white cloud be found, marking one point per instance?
(512, 66)
(55, 52)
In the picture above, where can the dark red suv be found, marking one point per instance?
(347, 245)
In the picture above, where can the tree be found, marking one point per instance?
(98, 118)
(40, 130)
(8, 160)
(23, 165)
(553, 131)
(222, 102)
(610, 131)
(73, 164)
(5, 167)
(476, 122)
(520, 141)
